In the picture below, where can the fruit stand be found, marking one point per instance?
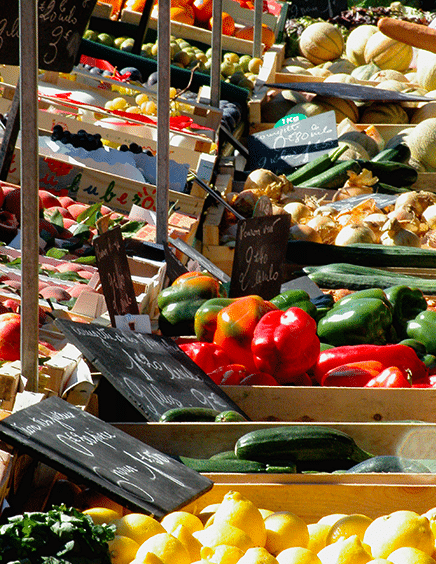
(256, 388)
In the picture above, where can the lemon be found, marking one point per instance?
(137, 526)
(207, 512)
(409, 555)
(431, 516)
(149, 558)
(122, 550)
(257, 555)
(221, 554)
(284, 530)
(332, 518)
(317, 536)
(101, 515)
(265, 512)
(224, 533)
(192, 545)
(235, 509)
(354, 524)
(171, 521)
(164, 545)
(380, 561)
(297, 555)
(345, 551)
(395, 530)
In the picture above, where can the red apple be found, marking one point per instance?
(66, 201)
(48, 199)
(10, 336)
(76, 209)
(55, 293)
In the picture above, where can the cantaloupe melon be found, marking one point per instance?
(384, 112)
(426, 69)
(297, 61)
(343, 108)
(341, 77)
(422, 143)
(391, 84)
(356, 42)
(388, 74)
(365, 72)
(360, 138)
(341, 65)
(388, 53)
(308, 109)
(320, 42)
(426, 111)
(319, 72)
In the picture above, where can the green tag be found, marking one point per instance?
(291, 118)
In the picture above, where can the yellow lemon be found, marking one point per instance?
(400, 528)
(409, 555)
(379, 561)
(332, 518)
(354, 524)
(345, 551)
(122, 550)
(284, 530)
(431, 516)
(297, 555)
(192, 545)
(265, 512)
(221, 554)
(257, 555)
(101, 515)
(207, 513)
(169, 549)
(317, 536)
(138, 527)
(171, 521)
(224, 533)
(235, 509)
(148, 558)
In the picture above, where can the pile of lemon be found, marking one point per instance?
(235, 531)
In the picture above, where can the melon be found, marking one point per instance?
(309, 109)
(297, 61)
(362, 139)
(391, 84)
(341, 77)
(426, 111)
(342, 108)
(388, 74)
(384, 112)
(356, 42)
(341, 65)
(365, 72)
(422, 143)
(388, 53)
(293, 69)
(320, 42)
(426, 69)
(319, 72)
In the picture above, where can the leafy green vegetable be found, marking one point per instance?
(59, 536)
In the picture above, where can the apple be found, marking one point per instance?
(10, 326)
(48, 199)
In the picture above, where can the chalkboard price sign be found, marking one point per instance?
(61, 24)
(316, 9)
(261, 244)
(148, 370)
(114, 271)
(83, 447)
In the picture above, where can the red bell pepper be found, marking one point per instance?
(235, 327)
(428, 381)
(353, 374)
(402, 356)
(391, 377)
(207, 356)
(285, 344)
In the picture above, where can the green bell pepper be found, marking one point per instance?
(423, 329)
(358, 321)
(205, 318)
(294, 298)
(378, 293)
(407, 303)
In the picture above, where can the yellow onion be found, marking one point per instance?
(394, 235)
(325, 226)
(419, 201)
(406, 216)
(302, 232)
(297, 211)
(355, 233)
(429, 216)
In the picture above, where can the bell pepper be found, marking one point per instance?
(391, 377)
(285, 344)
(294, 298)
(378, 293)
(206, 315)
(207, 356)
(235, 327)
(179, 302)
(353, 374)
(423, 329)
(407, 303)
(402, 356)
(358, 321)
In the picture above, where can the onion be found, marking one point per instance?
(429, 216)
(394, 235)
(261, 178)
(355, 233)
(301, 232)
(326, 227)
(406, 216)
(350, 191)
(419, 201)
(297, 211)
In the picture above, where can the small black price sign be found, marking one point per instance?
(96, 453)
(316, 9)
(115, 278)
(261, 244)
(61, 24)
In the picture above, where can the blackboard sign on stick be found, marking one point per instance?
(316, 9)
(114, 271)
(260, 251)
(281, 148)
(61, 24)
(150, 371)
(99, 455)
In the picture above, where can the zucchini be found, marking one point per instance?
(335, 177)
(392, 173)
(229, 416)
(189, 414)
(316, 166)
(355, 277)
(222, 465)
(388, 464)
(298, 443)
(383, 188)
(400, 153)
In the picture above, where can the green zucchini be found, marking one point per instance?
(388, 463)
(222, 465)
(189, 414)
(316, 166)
(335, 177)
(298, 443)
(224, 455)
(383, 188)
(355, 277)
(229, 416)
(392, 173)
(280, 469)
(400, 153)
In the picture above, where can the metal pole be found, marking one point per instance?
(29, 191)
(215, 71)
(257, 36)
(163, 121)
